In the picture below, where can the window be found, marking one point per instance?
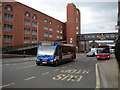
(58, 36)
(9, 8)
(0, 14)
(8, 47)
(8, 28)
(50, 28)
(116, 35)
(61, 37)
(34, 40)
(98, 36)
(34, 16)
(34, 32)
(50, 35)
(76, 19)
(77, 27)
(26, 39)
(26, 31)
(45, 27)
(27, 14)
(34, 24)
(7, 38)
(88, 36)
(112, 35)
(46, 21)
(107, 36)
(61, 26)
(27, 22)
(8, 17)
(85, 36)
(58, 25)
(46, 34)
(93, 36)
(58, 31)
(77, 12)
(50, 22)
(77, 33)
(61, 31)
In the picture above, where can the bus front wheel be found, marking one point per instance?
(56, 63)
(39, 64)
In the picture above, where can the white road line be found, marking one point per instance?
(64, 67)
(97, 77)
(7, 64)
(56, 69)
(45, 73)
(26, 67)
(25, 62)
(82, 54)
(29, 78)
(7, 85)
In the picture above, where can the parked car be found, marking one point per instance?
(90, 54)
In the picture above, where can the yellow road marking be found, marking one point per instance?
(68, 78)
(7, 85)
(29, 78)
(97, 77)
(45, 73)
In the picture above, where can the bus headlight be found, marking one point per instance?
(51, 60)
(55, 59)
(98, 56)
(37, 59)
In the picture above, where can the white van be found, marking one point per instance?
(94, 50)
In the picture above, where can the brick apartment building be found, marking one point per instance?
(25, 26)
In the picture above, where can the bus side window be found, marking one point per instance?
(69, 50)
(64, 49)
(57, 51)
(60, 50)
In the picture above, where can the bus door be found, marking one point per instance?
(59, 52)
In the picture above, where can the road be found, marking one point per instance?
(82, 73)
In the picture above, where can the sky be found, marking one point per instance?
(97, 16)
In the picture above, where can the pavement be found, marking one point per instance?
(13, 55)
(109, 73)
(17, 60)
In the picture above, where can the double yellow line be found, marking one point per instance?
(97, 76)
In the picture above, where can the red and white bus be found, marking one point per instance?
(50, 52)
(103, 52)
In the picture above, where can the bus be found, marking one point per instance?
(50, 52)
(103, 52)
(110, 43)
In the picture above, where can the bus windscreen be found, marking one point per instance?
(46, 51)
(103, 50)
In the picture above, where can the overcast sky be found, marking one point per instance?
(97, 16)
